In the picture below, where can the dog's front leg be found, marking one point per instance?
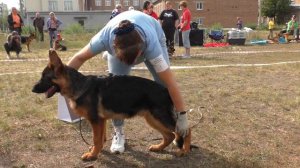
(98, 138)
(28, 47)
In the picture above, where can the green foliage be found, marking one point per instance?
(253, 26)
(216, 26)
(74, 29)
(276, 8)
(27, 29)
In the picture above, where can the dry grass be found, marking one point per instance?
(250, 114)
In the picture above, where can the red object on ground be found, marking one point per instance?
(215, 44)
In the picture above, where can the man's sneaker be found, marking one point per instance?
(118, 142)
(185, 56)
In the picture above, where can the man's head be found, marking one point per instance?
(168, 5)
(37, 14)
(128, 42)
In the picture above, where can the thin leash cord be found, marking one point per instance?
(80, 128)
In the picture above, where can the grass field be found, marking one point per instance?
(251, 114)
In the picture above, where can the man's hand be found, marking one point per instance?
(182, 126)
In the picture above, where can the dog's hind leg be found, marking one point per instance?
(98, 138)
(167, 134)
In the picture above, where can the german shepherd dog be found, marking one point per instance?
(27, 40)
(100, 98)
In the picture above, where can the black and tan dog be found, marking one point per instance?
(27, 40)
(100, 98)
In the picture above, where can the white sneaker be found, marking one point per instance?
(118, 142)
(185, 56)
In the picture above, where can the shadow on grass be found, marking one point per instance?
(197, 158)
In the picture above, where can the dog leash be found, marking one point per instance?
(80, 128)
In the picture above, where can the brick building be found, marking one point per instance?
(209, 12)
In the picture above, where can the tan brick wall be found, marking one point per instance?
(222, 11)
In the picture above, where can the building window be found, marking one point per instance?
(135, 3)
(68, 6)
(179, 7)
(200, 21)
(53, 6)
(98, 2)
(126, 3)
(107, 2)
(199, 5)
(117, 2)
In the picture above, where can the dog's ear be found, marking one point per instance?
(55, 62)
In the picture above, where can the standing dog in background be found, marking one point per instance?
(98, 99)
(27, 40)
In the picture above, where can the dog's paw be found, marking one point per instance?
(181, 153)
(155, 148)
(88, 157)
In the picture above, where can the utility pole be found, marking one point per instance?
(259, 13)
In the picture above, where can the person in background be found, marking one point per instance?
(38, 24)
(239, 23)
(293, 26)
(271, 26)
(15, 21)
(185, 28)
(130, 39)
(169, 20)
(131, 8)
(13, 43)
(148, 9)
(116, 11)
(52, 25)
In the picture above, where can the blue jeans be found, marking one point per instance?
(116, 67)
(52, 36)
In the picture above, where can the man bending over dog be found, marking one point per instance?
(130, 38)
(13, 43)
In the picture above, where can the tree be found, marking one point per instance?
(278, 9)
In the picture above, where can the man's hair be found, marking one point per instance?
(128, 42)
(183, 3)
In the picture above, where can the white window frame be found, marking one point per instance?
(107, 2)
(117, 2)
(69, 6)
(98, 2)
(53, 5)
(179, 8)
(200, 21)
(135, 3)
(126, 2)
(199, 5)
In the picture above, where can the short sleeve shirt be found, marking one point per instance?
(186, 16)
(149, 29)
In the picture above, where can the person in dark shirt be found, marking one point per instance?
(38, 23)
(169, 20)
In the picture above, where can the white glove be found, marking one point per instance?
(182, 126)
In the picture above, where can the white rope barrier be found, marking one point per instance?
(175, 67)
